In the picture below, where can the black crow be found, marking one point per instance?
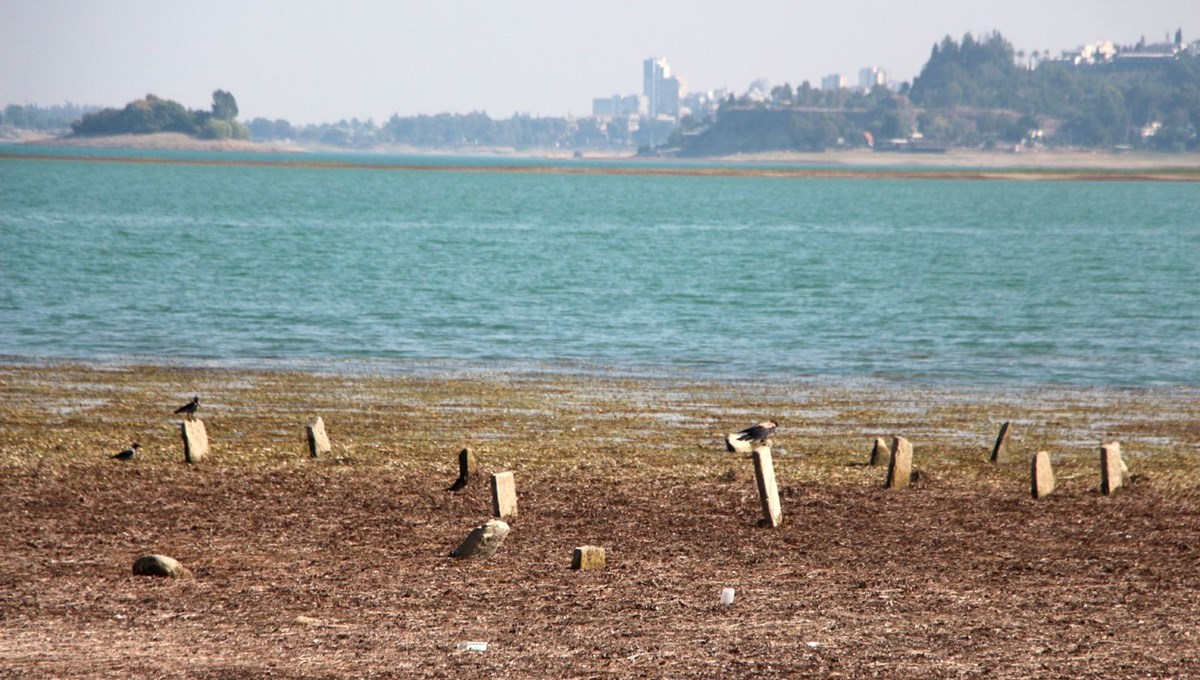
(758, 433)
(189, 409)
(129, 452)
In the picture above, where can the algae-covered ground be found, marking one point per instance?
(338, 566)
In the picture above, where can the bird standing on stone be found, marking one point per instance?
(758, 433)
(189, 409)
(128, 453)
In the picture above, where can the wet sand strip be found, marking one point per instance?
(1016, 173)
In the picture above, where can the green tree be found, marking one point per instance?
(216, 128)
(782, 94)
(224, 106)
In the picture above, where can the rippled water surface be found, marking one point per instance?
(967, 281)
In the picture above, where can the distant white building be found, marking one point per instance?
(616, 105)
(1093, 53)
(833, 82)
(703, 105)
(663, 92)
(870, 78)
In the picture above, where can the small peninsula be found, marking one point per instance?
(154, 115)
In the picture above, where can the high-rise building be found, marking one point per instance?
(833, 82)
(616, 105)
(869, 78)
(663, 92)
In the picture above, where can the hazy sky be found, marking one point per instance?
(313, 61)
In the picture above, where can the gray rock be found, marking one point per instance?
(160, 565)
(483, 541)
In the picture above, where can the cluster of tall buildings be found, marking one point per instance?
(662, 94)
(868, 79)
(665, 96)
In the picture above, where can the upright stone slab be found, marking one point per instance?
(483, 541)
(735, 445)
(504, 495)
(587, 558)
(468, 468)
(1111, 468)
(768, 492)
(318, 441)
(468, 464)
(899, 464)
(195, 441)
(1000, 449)
(1041, 476)
(880, 454)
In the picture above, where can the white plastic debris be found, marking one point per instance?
(472, 646)
(727, 596)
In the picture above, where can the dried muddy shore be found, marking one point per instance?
(339, 567)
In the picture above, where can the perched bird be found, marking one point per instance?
(758, 433)
(189, 409)
(129, 452)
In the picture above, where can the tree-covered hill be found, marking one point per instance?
(154, 114)
(981, 93)
(1154, 103)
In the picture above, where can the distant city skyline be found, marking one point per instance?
(313, 61)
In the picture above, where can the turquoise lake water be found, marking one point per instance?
(1088, 283)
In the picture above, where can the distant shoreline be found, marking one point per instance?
(161, 141)
(857, 163)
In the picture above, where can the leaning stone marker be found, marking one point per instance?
(1111, 468)
(504, 495)
(1000, 450)
(318, 441)
(195, 441)
(160, 565)
(587, 558)
(768, 492)
(879, 452)
(483, 541)
(899, 473)
(1041, 476)
(734, 445)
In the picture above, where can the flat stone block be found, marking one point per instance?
(318, 441)
(768, 492)
(1041, 476)
(880, 453)
(504, 495)
(588, 557)
(900, 464)
(161, 566)
(734, 445)
(1112, 469)
(195, 441)
(483, 541)
(1000, 449)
